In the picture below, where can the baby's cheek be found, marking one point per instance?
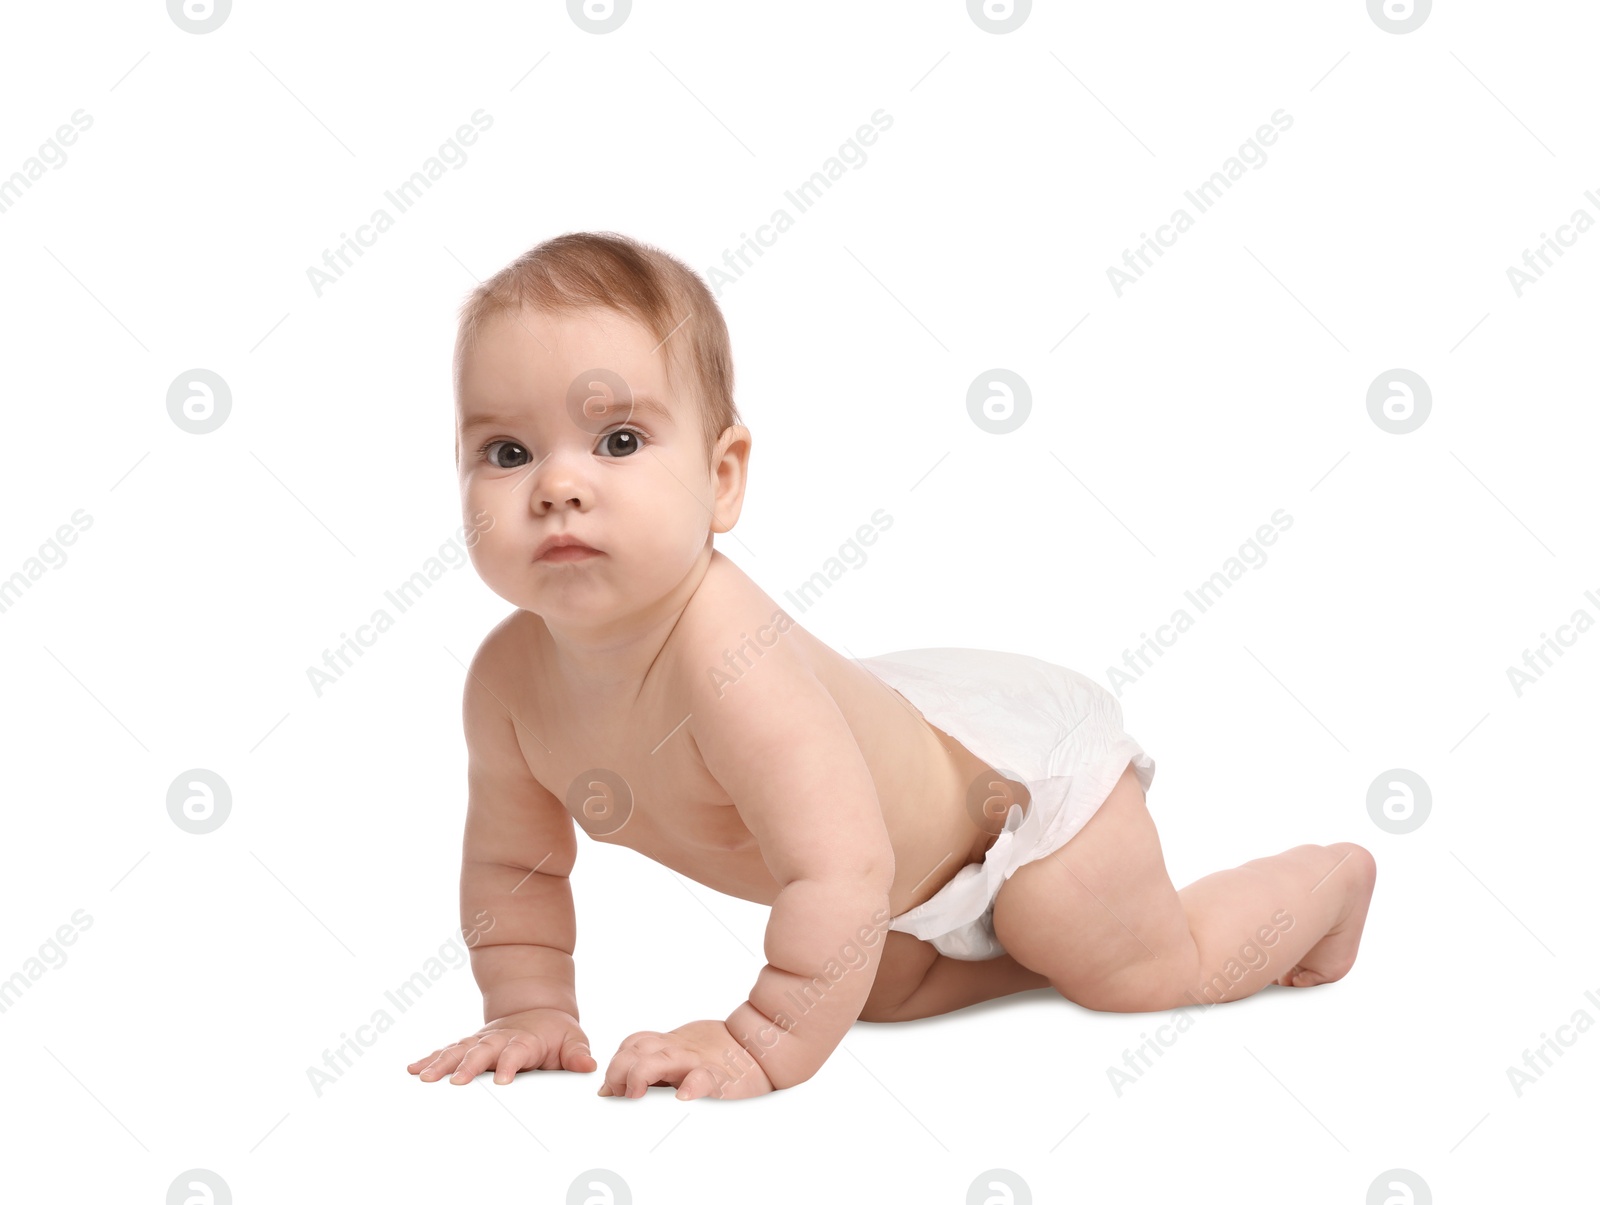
(490, 554)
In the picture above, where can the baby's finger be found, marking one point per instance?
(575, 1053)
(669, 1064)
(699, 1082)
(477, 1059)
(520, 1052)
(616, 1072)
(634, 1047)
(423, 1061)
(616, 1077)
(444, 1062)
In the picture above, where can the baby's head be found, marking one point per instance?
(594, 398)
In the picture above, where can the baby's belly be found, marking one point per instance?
(923, 777)
(712, 855)
(928, 827)
(932, 827)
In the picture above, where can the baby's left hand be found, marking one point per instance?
(702, 1058)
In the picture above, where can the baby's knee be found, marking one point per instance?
(904, 965)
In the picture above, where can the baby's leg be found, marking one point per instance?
(915, 980)
(1325, 888)
(1101, 919)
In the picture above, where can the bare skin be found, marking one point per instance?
(689, 821)
(655, 697)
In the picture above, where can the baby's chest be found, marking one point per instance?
(645, 794)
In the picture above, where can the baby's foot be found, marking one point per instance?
(1333, 956)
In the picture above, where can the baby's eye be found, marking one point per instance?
(624, 441)
(491, 456)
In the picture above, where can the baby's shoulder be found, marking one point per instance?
(730, 627)
(508, 658)
(514, 636)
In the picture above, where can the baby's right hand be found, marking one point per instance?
(540, 1039)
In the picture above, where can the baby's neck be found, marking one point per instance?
(600, 663)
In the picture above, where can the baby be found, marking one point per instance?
(930, 828)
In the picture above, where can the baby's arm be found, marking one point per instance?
(517, 850)
(778, 744)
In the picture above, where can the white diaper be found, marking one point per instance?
(1043, 725)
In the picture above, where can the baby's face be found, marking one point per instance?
(567, 424)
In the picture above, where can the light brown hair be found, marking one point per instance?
(584, 269)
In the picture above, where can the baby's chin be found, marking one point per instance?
(591, 592)
(572, 594)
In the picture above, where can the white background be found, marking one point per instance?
(1172, 422)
